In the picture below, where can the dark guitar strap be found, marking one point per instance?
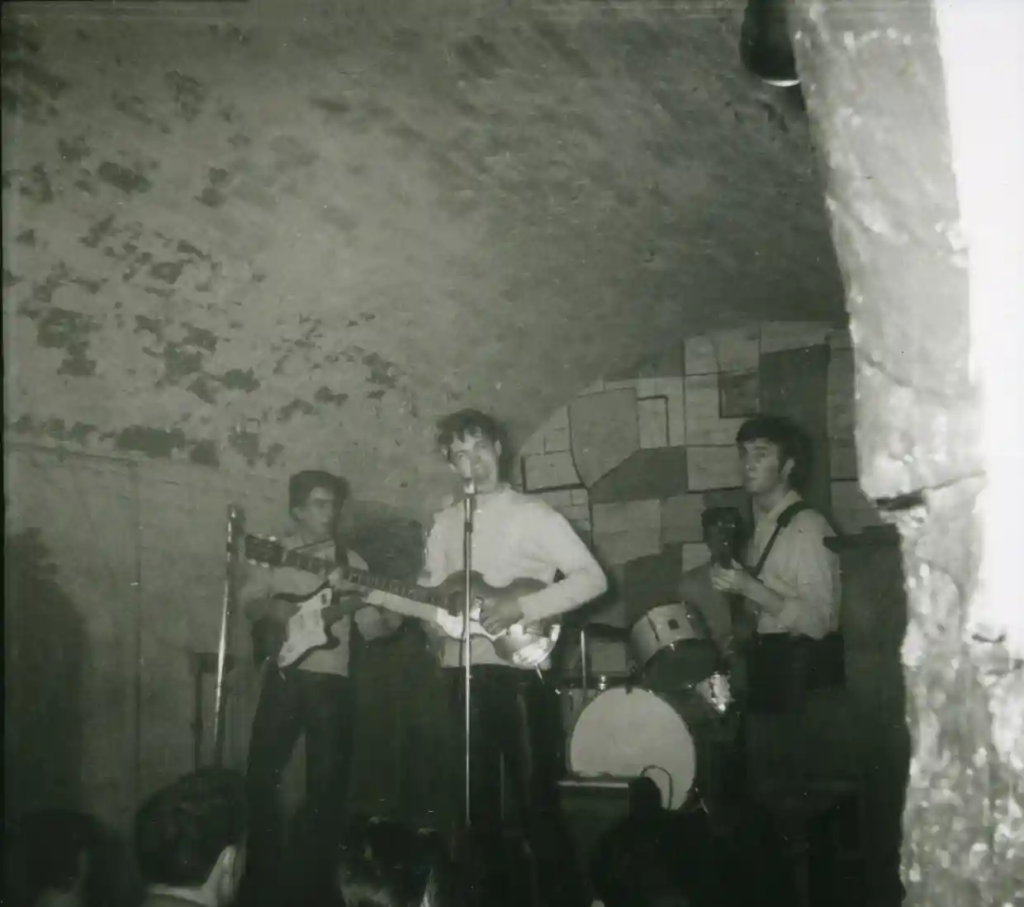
(785, 518)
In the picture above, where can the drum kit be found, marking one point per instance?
(652, 700)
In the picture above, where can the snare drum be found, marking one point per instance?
(629, 733)
(672, 650)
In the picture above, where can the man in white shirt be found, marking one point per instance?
(795, 664)
(513, 709)
(314, 696)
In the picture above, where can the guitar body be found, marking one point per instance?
(305, 632)
(510, 646)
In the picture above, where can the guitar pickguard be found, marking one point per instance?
(306, 629)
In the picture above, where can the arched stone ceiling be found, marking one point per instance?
(261, 236)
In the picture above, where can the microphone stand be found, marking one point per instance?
(235, 518)
(469, 505)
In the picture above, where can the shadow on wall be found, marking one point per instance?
(44, 643)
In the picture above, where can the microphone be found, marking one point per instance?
(466, 474)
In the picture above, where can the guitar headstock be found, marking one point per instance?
(265, 552)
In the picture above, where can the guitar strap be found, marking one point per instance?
(785, 518)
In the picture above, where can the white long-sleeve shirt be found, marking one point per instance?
(514, 537)
(800, 569)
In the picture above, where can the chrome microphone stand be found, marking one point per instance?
(235, 522)
(469, 506)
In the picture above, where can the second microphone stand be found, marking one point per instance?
(469, 507)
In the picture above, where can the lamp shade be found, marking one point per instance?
(765, 46)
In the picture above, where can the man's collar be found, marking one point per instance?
(772, 516)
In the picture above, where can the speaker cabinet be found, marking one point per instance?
(590, 807)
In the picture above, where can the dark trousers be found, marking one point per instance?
(515, 722)
(290, 704)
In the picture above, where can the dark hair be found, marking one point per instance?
(467, 423)
(42, 852)
(383, 863)
(635, 864)
(181, 830)
(302, 484)
(786, 435)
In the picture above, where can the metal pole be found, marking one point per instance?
(469, 502)
(584, 670)
(235, 517)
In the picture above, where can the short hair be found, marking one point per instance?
(384, 863)
(468, 423)
(42, 852)
(787, 436)
(302, 484)
(182, 829)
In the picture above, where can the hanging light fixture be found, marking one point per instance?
(765, 45)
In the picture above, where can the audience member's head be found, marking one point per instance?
(643, 862)
(48, 858)
(382, 863)
(190, 837)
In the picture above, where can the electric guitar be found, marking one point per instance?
(523, 646)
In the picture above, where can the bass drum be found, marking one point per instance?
(672, 738)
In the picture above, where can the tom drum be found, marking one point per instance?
(672, 649)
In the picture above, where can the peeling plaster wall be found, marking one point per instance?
(258, 243)
(257, 237)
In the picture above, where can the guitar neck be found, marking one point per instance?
(414, 601)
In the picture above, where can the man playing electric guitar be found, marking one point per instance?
(513, 714)
(312, 696)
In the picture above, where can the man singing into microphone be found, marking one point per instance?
(514, 537)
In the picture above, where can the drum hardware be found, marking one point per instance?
(717, 692)
(597, 656)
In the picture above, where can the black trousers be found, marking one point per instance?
(292, 703)
(515, 722)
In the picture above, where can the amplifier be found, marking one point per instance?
(590, 807)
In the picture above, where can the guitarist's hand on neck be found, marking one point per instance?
(338, 584)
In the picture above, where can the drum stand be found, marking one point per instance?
(584, 669)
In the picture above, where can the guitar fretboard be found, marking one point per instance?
(312, 564)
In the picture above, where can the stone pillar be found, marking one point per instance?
(875, 76)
